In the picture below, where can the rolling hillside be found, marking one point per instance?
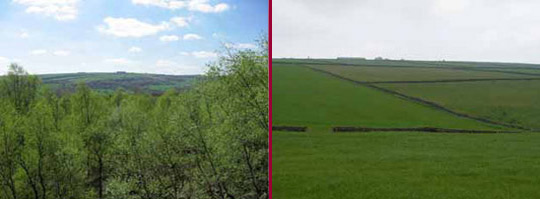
(109, 82)
(323, 94)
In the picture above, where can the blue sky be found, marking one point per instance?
(149, 36)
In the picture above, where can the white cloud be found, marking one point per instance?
(4, 62)
(204, 6)
(163, 62)
(24, 35)
(169, 38)
(200, 54)
(450, 6)
(135, 49)
(241, 45)
(204, 54)
(61, 53)
(129, 27)
(181, 21)
(169, 4)
(192, 5)
(119, 61)
(192, 37)
(38, 52)
(62, 10)
(171, 67)
(218, 35)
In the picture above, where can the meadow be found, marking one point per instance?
(304, 97)
(509, 101)
(321, 94)
(381, 73)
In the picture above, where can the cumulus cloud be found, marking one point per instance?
(218, 35)
(62, 10)
(135, 49)
(172, 67)
(204, 54)
(129, 27)
(181, 21)
(24, 35)
(241, 45)
(169, 38)
(119, 61)
(192, 37)
(61, 53)
(169, 4)
(38, 52)
(204, 6)
(4, 61)
(200, 54)
(192, 5)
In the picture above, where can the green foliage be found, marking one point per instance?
(19, 88)
(208, 142)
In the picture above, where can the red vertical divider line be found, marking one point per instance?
(270, 99)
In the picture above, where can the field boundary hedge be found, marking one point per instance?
(289, 128)
(425, 102)
(469, 68)
(416, 129)
(451, 80)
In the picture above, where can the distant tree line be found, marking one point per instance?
(207, 142)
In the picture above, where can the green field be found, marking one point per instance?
(302, 97)
(405, 165)
(109, 82)
(515, 102)
(411, 74)
(322, 164)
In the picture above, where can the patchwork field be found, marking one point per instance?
(109, 82)
(516, 102)
(374, 74)
(321, 164)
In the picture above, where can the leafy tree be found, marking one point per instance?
(208, 141)
(19, 88)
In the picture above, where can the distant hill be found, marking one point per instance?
(109, 82)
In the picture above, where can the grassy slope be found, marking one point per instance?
(305, 97)
(318, 164)
(405, 165)
(508, 101)
(411, 74)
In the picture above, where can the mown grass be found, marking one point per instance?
(316, 165)
(304, 97)
(514, 102)
(382, 73)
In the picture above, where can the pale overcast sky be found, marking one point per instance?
(149, 36)
(481, 30)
